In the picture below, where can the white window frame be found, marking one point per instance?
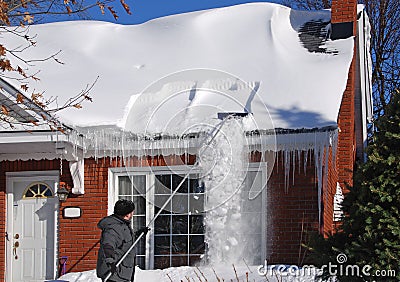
(150, 172)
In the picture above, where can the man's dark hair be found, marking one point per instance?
(123, 207)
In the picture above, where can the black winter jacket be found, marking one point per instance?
(117, 237)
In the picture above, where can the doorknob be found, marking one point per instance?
(16, 245)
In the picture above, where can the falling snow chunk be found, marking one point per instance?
(227, 160)
(233, 241)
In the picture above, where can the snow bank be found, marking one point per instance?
(257, 42)
(228, 273)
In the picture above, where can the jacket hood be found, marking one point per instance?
(109, 221)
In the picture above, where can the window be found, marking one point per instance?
(37, 190)
(177, 235)
(179, 229)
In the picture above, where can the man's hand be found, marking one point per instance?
(142, 230)
(113, 267)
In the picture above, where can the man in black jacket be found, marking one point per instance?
(117, 237)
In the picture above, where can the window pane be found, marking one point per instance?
(196, 244)
(162, 245)
(179, 260)
(254, 205)
(163, 184)
(140, 261)
(180, 224)
(140, 205)
(180, 204)
(139, 184)
(126, 197)
(179, 244)
(29, 193)
(35, 188)
(159, 201)
(124, 185)
(161, 262)
(176, 181)
(141, 247)
(42, 188)
(138, 222)
(196, 203)
(162, 224)
(253, 222)
(48, 193)
(193, 260)
(196, 186)
(252, 246)
(196, 224)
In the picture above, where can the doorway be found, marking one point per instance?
(32, 213)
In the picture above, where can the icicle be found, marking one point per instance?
(299, 153)
(293, 165)
(287, 168)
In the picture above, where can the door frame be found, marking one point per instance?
(26, 176)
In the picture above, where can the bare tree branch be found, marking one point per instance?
(15, 18)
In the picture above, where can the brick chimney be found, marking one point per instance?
(344, 25)
(343, 18)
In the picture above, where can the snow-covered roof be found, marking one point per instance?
(181, 70)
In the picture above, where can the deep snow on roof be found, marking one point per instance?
(256, 57)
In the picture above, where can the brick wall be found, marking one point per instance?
(292, 211)
(79, 238)
(329, 194)
(345, 11)
(292, 214)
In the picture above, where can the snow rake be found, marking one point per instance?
(223, 117)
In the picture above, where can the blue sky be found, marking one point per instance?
(144, 10)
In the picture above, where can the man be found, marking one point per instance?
(117, 237)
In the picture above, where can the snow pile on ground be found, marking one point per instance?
(240, 273)
(87, 276)
(256, 42)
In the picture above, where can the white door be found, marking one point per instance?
(32, 215)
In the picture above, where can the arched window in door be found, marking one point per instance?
(37, 190)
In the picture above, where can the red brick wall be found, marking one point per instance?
(293, 214)
(346, 11)
(329, 193)
(346, 142)
(343, 11)
(79, 238)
